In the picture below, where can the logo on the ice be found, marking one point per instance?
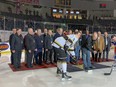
(4, 46)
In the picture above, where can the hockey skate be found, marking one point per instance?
(58, 71)
(66, 77)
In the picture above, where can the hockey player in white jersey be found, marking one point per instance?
(64, 45)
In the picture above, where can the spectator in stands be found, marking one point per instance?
(30, 47)
(48, 46)
(44, 40)
(16, 48)
(107, 45)
(39, 44)
(86, 49)
(59, 33)
(10, 39)
(99, 47)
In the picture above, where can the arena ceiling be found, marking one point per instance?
(12, 2)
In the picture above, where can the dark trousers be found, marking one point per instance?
(97, 56)
(55, 55)
(29, 58)
(17, 59)
(11, 58)
(106, 53)
(49, 55)
(44, 55)
(38, 57)
(93, 56)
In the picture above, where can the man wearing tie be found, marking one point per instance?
(99, 47)
(107, 44)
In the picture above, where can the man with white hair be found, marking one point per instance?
(30, 47)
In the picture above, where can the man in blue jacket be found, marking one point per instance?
(39, 45)
(49, 48)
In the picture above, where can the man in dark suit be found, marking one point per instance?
(59, 33)
(10, 39)
(48, 46)
(30, 47)
(44, 39)
(39, 44)
(107, 45)
(86, 49)
(16, 48)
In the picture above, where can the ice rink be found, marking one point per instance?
(48, 78)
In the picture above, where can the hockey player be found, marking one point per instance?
(63, 45)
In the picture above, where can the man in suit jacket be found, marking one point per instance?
(44, 39)
(39, 44)
(107, 45)
(16, 48)
(10, 39)
(99, 47)
(48, 46)
(30, 47)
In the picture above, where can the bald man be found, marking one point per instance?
(30, 47)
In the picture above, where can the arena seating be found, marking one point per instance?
(23, 21)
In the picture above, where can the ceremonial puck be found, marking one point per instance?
(90, 71)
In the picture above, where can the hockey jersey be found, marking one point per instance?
(60, 42)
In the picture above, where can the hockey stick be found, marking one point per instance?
(109, 72)
(114, 65)
(73, 58)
